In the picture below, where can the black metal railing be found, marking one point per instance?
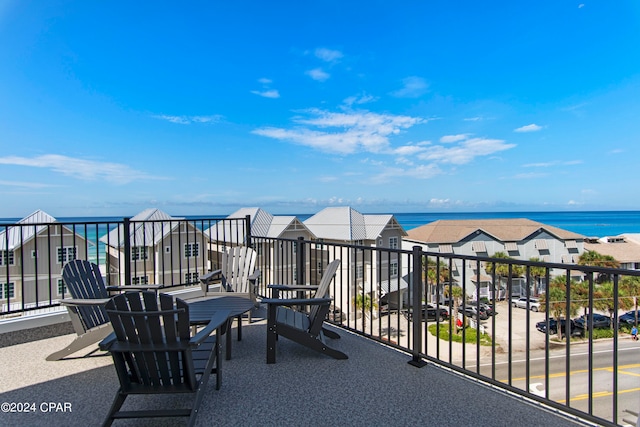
(404, 298)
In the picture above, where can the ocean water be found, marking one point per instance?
(589, 224)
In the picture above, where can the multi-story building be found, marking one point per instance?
(345, 225)
(32, 254)
(624, 248)
(521, 239)
(163, 250)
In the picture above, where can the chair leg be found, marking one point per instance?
(272, 335)
(91, 337)
(115, 407)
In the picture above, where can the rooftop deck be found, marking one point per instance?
(375, 386)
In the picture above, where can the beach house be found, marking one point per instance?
(624, 248)
(517, 238)
(264, 227)
(163, 250)
(346, 225)
(32, 255)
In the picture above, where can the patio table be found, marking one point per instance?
(200, 312)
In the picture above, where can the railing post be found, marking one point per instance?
(300, 264)
(126, 234)
(247, 227)
(416, 308)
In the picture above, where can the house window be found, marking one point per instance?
(66, 254)
(191, 250)
(393, 269)
(359, 272)
(393, 243)
(62, 288)
(34, 254)
(140, 280)
(295, 274)
(139, 253)
(295, 247)
(6, 256)
(167, 249)
(191, 278)
(7, 290)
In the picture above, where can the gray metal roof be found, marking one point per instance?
(263, 224)
(347, 224)
(18, 236)
(143, 233)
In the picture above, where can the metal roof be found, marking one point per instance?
(157, 225)
(347, 224)
(18, 236)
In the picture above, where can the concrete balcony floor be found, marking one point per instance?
(375, 386)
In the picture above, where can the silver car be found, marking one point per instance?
(533, 303)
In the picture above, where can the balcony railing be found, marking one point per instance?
(383, 294)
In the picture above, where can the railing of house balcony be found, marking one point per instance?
(378, 293)
(171, 252)
(591, 377)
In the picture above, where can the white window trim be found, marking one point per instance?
(10, 255)
(63, 256)
(6, 288)
(190, 248)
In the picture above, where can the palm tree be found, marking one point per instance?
(536, 273)
(595, 259)
(630, 285)
(434, 273)
(454, 293)
(556, 297)
(502, 269)
(605, 300)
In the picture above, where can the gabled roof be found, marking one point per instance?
(21, 235)
(347, 224)
(263, 224)
(159, 225)
(624, 251)
(505, 230)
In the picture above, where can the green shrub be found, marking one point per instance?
(470, 334)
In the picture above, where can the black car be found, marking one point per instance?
(472, 311)
(429, 313)
(553, 327)
(629, 317)
(599, 321)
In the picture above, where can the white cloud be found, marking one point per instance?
(187, 120)
(343, 133)
(465, 152)
(87, 170)
(359, 99)
(269, 93)
(265, 81)
(413, 87)
(528, 128)
(23, 184)
(318, 74)
(454, 138)
(328, 55)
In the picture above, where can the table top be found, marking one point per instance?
(200, 311)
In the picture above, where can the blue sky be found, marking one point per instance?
(202, 107)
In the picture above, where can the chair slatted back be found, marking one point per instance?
(317, 313)
(84, 281)
(152, 351)
(237, 265)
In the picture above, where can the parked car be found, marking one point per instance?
(336, 315)
(629, 317)
(429, 313)
(553, 327)
(471, 311)
(488, 308)
(523, 302)
(599, 321)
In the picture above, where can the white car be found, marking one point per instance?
(534, 303)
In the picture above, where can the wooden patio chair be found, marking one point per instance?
(153, 352)
(86, 307)
(305, 328)
(237, 275)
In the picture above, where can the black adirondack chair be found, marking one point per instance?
(305, 328)
(153, 352)
(86, 307)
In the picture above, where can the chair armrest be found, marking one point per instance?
(106, 343)
(297, 301)
(254, 276)
(217, 320)
(293, 287)
(134, 287)
(210, 275)
(88, 302)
